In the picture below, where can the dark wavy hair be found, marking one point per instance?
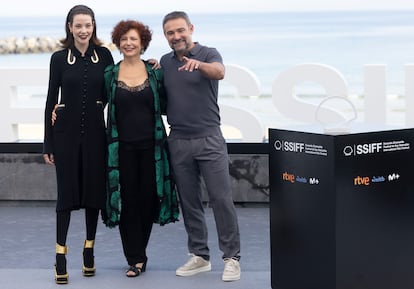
(125, 25)
(76, 10)
(176, 15)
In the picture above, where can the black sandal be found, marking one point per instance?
(136, 270)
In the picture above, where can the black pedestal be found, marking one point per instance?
(342, 210)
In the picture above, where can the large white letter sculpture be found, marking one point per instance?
(285, 100)
(246, 84)
(375, 95)
(10, 114)
(409, 95)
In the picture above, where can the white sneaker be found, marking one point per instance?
(231, 270)
(194, 265)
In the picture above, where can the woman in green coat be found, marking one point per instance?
(141, 190)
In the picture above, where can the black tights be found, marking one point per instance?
(63, 220)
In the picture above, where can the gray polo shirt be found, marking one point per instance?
(192, 109)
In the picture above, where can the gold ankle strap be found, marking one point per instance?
(61, 249)
(89, 243)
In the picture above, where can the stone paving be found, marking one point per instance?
(27, 243)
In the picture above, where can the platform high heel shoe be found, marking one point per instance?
(61, 275)
(88, 268)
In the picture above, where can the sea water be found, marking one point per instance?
(266, 44)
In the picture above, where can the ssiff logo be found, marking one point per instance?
(289, 146)
(362, 149)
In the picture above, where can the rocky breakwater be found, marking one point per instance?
(25, 45)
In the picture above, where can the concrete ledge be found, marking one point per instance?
(24, 176)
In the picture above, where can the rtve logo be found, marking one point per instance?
(361, 181)
(288, 177)
(362, 149)
(289, 146)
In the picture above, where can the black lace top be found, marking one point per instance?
(135, 114)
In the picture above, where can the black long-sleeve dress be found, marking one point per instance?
(77, 139)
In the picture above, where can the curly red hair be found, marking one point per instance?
(125, 25)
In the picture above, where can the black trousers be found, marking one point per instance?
(138, 199)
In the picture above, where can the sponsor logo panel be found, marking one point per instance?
(357, 180)
(293, 178)
(369, 180)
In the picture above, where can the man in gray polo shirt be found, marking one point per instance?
(191, 75)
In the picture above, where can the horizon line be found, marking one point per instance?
(354, 10)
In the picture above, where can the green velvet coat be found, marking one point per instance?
(166, 190)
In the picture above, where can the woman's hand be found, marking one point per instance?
(49, 159)
(54, 115)
(155, 63)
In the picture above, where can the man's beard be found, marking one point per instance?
(181, 49)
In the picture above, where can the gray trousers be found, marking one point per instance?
(206, 157)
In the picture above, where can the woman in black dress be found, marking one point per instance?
(76, 143)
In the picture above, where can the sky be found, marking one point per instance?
(53, 7)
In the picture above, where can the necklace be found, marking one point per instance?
(72, 59)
